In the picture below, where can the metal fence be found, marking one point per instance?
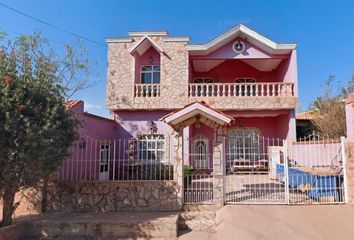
(315, 171)
(117, 159)
(250, 169)
(198, 179)
(273, 171)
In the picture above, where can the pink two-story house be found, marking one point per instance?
(240, 80)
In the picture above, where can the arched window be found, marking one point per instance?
(244, 89)
(200, 155)
(245, 80)
(203, 90)
(203, 80)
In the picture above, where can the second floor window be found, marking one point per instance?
(150, 74)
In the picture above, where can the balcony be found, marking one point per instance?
(224, 96)
(268, 89)
(147, 90)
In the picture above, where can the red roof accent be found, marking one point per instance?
(305, 115)
(72, 103)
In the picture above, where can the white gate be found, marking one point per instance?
(274, 171)
(198, 179)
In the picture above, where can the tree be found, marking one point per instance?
(36, 131)
(328, 111)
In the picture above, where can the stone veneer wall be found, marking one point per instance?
(112, 196)
(174, 81)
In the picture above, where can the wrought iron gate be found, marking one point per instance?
(274, 171)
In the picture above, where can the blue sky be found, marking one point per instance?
(323, 30)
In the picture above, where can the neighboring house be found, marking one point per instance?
(304, 126)
(91, 125)
(239, 79)
(92, 145)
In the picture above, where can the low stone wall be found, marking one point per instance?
(15, 231)
(113, 196)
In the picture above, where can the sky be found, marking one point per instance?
(323, 31)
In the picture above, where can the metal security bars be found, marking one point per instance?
(316, 171)
(198, 179)
(250, 170)
(273, 171)
(142, 158)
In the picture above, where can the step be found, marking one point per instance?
(198, 225)
(198, 207)
(203, 221)
(117, 225)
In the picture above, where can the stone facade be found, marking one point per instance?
(174, 81)
(113, 196)
(349, 152)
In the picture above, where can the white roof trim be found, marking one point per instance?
(233, 33)
(146, 38)
(195, 109)
(147, 33)
(119, 40)
(177, 39)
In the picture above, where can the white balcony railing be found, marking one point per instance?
(147, 90)
(269, 89)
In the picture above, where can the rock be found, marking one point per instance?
(155, 193)
(142, 203)
(126, 202)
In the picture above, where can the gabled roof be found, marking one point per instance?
(245, 33)
(144, 44)
(194, 109)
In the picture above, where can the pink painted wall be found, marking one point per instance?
(94, 126)
(226, 52)
(349, 111)
(132, 123)
(84, 159)
(233, 67)
(150, 54)
(230, 70)
(312, 154)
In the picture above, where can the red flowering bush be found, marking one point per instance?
(8, 80)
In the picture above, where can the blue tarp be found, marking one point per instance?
(316, 186)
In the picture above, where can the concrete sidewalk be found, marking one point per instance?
(282, 222)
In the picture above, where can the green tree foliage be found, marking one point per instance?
(36, 131)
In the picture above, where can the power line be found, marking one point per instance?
(51, 25)
(23, 34)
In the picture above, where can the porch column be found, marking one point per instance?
(218, 167)
(178, 166)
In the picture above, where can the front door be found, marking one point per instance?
(104, 160)
(200, 155)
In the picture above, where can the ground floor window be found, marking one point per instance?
(151, 147)
(244, 144)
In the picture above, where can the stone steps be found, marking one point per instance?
(200, 218)
(105, 226)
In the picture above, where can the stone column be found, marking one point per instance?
(218, 167)
(178, 167)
